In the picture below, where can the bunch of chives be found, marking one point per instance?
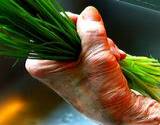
(35, 29)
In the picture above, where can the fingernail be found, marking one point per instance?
(91, 14)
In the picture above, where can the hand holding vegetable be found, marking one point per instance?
(95, 84)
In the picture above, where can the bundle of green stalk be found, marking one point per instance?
(35, 29)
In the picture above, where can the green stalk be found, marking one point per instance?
(143, 75)
(35, 29)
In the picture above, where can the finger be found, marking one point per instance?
(123, 54)
(91, 29)
(114, 49)
(36, 67)
(40, 69)
(119, 54)
(73, 16)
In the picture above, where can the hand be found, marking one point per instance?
(94, 82)
(80, 82)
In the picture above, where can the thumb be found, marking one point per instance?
(91, 30)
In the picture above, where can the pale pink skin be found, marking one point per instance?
(95, 84)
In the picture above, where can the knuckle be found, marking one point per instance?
(101, 56)
(91, 29)
(95, 30)
(105, 57)
(110, 41)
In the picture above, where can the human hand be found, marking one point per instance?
(95, 80)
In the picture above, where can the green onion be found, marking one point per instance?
(36, 29)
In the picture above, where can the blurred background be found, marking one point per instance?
(132, 24)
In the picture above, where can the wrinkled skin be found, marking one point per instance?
(95, 84)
